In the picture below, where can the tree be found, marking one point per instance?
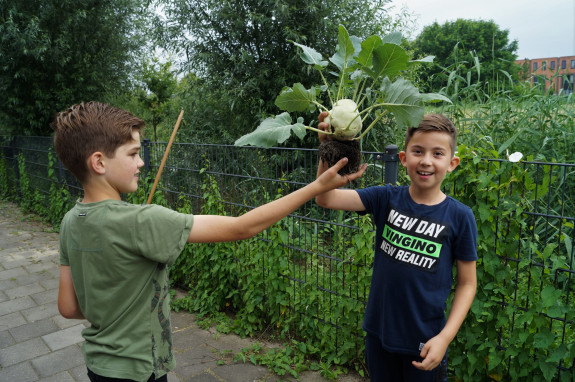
(161, 83)
(457, 44)
(54, 53)
(242, 52)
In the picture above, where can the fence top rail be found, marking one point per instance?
(5, 137)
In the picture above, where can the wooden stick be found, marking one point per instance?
(165, 157)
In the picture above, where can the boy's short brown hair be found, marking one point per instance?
(88, 127)
(434, 122)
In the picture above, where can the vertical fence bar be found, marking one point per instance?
(391, 158)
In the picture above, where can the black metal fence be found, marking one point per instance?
(537, 257)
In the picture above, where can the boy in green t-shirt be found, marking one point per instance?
(114, 255)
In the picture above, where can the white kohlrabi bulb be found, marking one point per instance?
(344, 119)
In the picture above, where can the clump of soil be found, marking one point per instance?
(332, 151)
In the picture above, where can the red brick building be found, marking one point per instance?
(558, 73)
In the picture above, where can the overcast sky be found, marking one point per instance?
(543, 29)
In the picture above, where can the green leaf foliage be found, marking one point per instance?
(296, 98)
(403, 100)
(273, 130)
(54, 53)
(367, 73)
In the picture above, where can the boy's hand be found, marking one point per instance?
(330, 179)
(432, 353)
(323, 126)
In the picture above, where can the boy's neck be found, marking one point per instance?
(429, 198)
(94, 193)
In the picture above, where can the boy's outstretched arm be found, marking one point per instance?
(434, 349)
(213, 228)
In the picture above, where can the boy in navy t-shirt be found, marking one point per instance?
(420, 234)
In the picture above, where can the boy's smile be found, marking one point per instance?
(427, 159)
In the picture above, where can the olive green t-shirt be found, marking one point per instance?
(118, 255)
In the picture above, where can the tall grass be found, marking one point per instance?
(507, 117)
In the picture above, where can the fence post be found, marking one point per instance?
(391, 158)
(146, 158)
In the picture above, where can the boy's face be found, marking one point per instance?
(122, 170)
(428, 158)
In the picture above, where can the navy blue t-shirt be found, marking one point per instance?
(415, 249)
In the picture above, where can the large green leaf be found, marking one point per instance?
(311, 56)
(434, 98)
(388, 60)
(403, 100)
(392, 38)
(368, 46)
(296, 98)
(345, 48)
(272, 131)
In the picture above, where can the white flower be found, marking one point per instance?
(515, 157)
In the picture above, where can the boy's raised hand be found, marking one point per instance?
(330, 179)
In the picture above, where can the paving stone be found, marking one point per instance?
(35, 278)
(204, 377)
(46, 297)
(8, 262)
(173, 377)
(60, 377)
(23, 351)
(13, 274)
(64, 323)
(16, 305)
(40, 312)
(6, 339)
(12, 320)
(35, 329)
(41, 266)
(64, 338)
(50, 283)
(241, 371)
(22, 372)
(80, 373)
(8, 284)
(58, 361)
(26, 290)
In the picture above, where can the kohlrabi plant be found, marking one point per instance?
(366, 87)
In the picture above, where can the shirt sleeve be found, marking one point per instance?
(465, 246)
(161, 233)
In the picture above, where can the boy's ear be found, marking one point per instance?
(402, 158)
(96, 163)
(453, 164)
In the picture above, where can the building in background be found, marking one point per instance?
(556, 73)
